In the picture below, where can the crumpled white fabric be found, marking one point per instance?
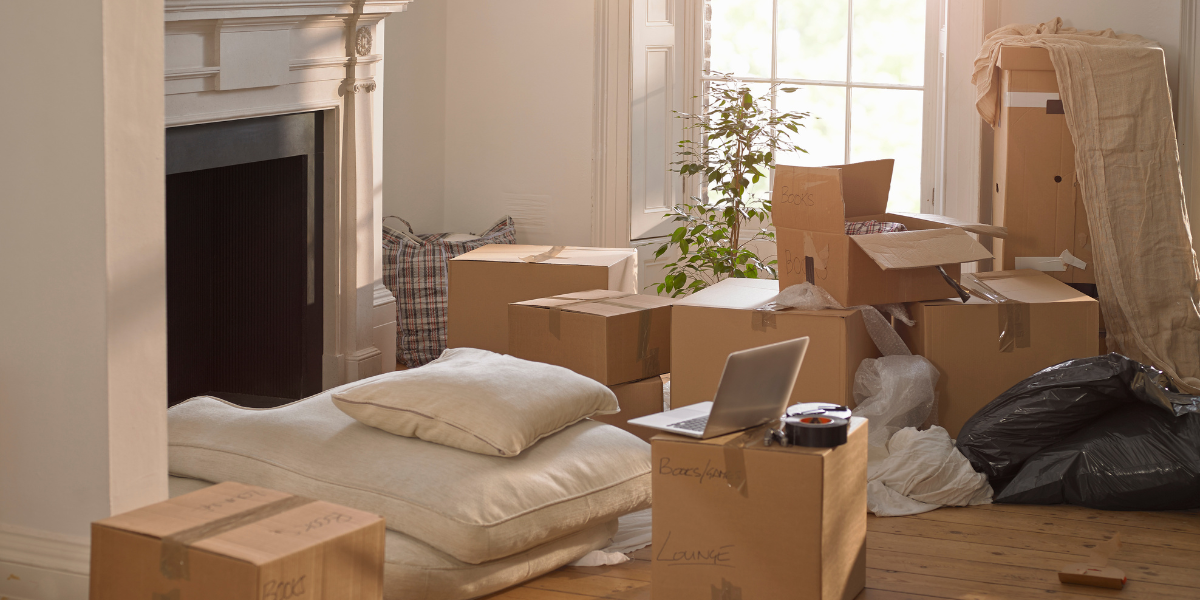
(633, 533)
(923, 471)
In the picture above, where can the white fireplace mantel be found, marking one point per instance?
(234, 59)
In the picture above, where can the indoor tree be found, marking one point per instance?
(734, 142)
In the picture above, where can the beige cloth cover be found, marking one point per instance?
(416, 571)
(1118, 109)
(473, 507)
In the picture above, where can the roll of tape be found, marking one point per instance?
(816, 431)
(818, 408)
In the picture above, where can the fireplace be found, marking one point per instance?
(244, 224)
(274, 146)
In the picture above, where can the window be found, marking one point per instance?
(866, 69)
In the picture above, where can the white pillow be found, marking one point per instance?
(473, 507)
(477, 400)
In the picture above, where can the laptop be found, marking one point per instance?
(754, 389)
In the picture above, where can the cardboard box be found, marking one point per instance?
(710, 324)
(1035, 192)
(612, 337)
(485, 281)
(637, 399)
(797, 529)
(1050, 323)
(238, 542)
(810, 208)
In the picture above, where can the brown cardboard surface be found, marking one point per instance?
(798, 531)
(810, 208)
(962, 340)
(1035, 193)
(485, 281)
(636, 399)
(316, 550)
(708, 325)
(609, 336)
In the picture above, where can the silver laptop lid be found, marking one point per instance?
(755, 386)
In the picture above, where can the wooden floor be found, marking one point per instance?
(995, 551)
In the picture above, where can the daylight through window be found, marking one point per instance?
(860, 67)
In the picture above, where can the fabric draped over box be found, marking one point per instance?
(1118, 109)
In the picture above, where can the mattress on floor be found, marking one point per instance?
(473, 507)
(413, 570)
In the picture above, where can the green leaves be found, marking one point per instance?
(731, 144)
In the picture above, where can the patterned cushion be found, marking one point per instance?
(872, 226)
(416, 275)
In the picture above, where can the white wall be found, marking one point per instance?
(414, 116)
(495, 97)
(82, 258)
(1158, 20)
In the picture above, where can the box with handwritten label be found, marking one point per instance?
(734, 518)
(238, 542)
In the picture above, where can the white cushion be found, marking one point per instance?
(477, 400)
(413, 570)
(473, 507)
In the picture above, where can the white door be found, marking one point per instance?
(657, 90)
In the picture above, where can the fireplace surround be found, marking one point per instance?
(233, 59)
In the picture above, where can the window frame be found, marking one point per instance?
(932, 147)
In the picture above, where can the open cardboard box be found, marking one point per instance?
(810, 208)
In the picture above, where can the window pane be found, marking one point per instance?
(812, 39)
(741, 37)
(756, 191)
(889, 41)
(824, 132)
(887, 124)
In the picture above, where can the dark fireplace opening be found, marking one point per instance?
(244, 290)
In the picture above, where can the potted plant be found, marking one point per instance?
(735, 140)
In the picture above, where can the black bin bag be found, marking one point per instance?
(1105, 432)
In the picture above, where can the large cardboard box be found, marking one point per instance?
(238, 542)
(637, 399)
(612, 337)
(796, 529)
(485, 281)
(982, 348)
(1035, 191)
(710, 324)
(810, 208)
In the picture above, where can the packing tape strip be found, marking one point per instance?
(735, 459)
(816, 431)
(173, 561)
(727, 591)
(1012, 315)
(544, 256)
(762, 319)
(646, 356)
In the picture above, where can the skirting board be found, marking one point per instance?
(39, 565)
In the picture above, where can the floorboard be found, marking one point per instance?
(978, 553)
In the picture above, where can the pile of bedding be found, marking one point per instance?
(484, 466)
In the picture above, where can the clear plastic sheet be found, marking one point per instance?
(894, 392)
(1105, 432)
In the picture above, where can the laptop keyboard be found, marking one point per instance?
(696, 424)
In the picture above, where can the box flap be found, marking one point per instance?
(569, 255)
(1031, 287)
(995, 231)
(924, 248)
(1024, 58)
(190, 510)
(747, 294)
(808, 198)
(865, 187)
(604, 303)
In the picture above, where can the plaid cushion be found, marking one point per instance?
(416, 274)
(872, 226)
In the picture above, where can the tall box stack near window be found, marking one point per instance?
(982, 348)
(710, 324)
(485, 281)
(1035, 193)
(736, 519)
(810, 209)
